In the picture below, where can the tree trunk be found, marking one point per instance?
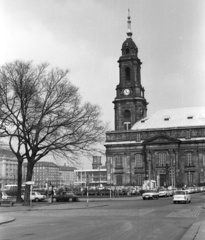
(19, 181)
(27, 188)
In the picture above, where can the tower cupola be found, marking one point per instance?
(129, 46)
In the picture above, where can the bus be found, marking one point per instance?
(10, 187)
(14, 187)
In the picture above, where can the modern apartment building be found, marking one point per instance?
(46, 173)
(67, 175)
(8, 166)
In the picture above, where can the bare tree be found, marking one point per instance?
(41, 113)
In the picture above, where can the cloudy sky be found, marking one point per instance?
(85, 36)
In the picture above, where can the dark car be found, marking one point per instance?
(65, 197)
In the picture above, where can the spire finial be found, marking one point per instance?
(129, 31)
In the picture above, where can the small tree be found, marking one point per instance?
(41, 113)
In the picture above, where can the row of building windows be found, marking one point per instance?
(162, 160)
(189, 178)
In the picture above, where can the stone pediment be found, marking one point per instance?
(161, 139)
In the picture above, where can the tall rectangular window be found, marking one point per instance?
(188, 134)
(138, 160)
(189, 159)
(139, 179)
(162, 159)
(138, 137)
(189, 176)
(118, 161)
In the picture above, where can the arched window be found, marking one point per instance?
(127, 74)
(162, 159)
(127, 116)
(127, 50)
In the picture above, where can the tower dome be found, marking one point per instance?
(129, 46)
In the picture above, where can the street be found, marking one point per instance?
(116, 219)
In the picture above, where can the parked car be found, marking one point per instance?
(92, 192)
(181, 196)
(163, 193)
(35, 196)
(66, 197)
(105, 192)
(150, 194)
(4, 196)
(171, 190)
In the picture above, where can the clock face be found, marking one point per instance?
(126, 91)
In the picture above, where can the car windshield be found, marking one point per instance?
(180, 193)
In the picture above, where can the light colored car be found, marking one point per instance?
(4, 196)
(36, 196)
(163, 193)
(150, 194)
(181, 196)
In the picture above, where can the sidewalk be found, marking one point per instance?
(195, 232)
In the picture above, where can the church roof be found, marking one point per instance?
(173, 118)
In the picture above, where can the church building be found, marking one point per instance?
(168, 147)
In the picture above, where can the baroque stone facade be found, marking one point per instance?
(168, 147)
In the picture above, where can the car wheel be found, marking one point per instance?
(54, 200)
(144, 198)
(36, 200)
(70, 200)
(174, 202)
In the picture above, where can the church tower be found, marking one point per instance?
(130, 105)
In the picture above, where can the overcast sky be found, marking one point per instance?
(85, 36)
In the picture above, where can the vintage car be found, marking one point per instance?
(65, 197)
(36, 196)
(4, 196)
(150, 194)
(163, 193)
(181, 196)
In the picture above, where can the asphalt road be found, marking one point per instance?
(114, 220)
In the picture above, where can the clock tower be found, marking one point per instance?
(129, 104)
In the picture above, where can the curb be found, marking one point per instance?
(192, 232)
(6, 220)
